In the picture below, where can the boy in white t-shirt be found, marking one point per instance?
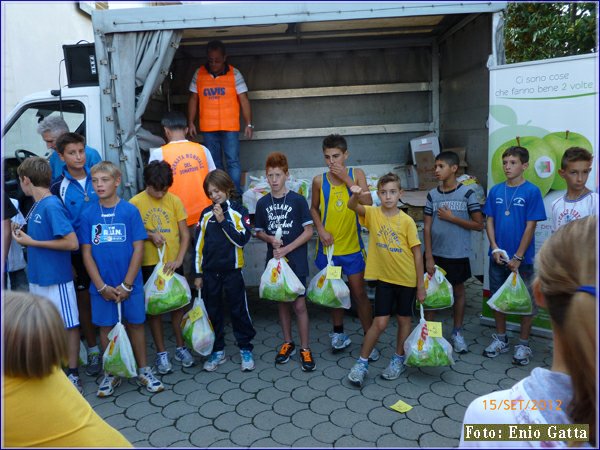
(579, 201)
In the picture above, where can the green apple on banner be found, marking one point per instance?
(560, 142)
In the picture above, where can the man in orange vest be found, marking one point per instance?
(190, 163)
(218, 92)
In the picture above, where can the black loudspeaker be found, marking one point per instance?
(80, 63)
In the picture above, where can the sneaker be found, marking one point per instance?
(357, 374)
(394, 369)
(215, 359)
(108, 385)
(162, 363)
(339, 341)
(147, 378)
(94, 364)
(76, 382)
(459, 344)
(496, 347)
(307, 361)
(247, 360)
(521, 355)
(287, 349)
(183, 355)
(374, 355)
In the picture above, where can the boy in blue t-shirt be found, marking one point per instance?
(50, 239)
(112, 238)
(513, 209)
(74, 188)
(287, 210)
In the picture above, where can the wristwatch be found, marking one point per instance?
(127, 285)
(250, 126)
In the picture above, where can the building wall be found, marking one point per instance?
(32, 38)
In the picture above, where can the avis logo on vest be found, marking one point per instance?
(213, 92)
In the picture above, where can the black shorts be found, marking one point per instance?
(458, 270)
(82, 279)
(147, 272)
(393, 299)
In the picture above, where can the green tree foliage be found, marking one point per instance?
(542, 30)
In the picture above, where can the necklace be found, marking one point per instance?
(86, 198)
(444, 193)
(31, 211)
(508, 205)
(105, 215)
(278, 231)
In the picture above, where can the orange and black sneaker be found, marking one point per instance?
(287, 349)
(308, 363)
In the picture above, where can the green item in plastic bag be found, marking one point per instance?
(439, 291)
(512, 297)
(118, 358)
(423, 350)
(332, 293)
(175, 297)
(279, 282)
(435, 356)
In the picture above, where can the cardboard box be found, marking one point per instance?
(426, 143)
(462, 155)
(426, 170)
(408, 177)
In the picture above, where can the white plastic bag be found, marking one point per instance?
(197, 330)
(439, 290)
(118, 358)
(279, 282)
(512, 297)
(330, 293)
(423, 350)
(83, 354)
(164, 295)
(257, 188)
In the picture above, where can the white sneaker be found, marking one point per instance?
(521, 355)
(496, 347)
(162, 363)
(183, 355)
(459, 344)
(147, 378)
(357, 374)
(247, 360)
(76, 382)
(214, 360)
(108, 385)
(394, 368)
(339, 341)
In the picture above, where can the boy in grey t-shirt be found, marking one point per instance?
(451, 212)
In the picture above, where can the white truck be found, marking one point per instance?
(380, 74)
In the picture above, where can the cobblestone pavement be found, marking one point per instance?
(282, 406)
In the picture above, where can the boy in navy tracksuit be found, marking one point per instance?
(222, 232)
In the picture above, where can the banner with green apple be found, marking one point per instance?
(547, 107)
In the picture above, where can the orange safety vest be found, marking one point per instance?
(218, 101)
(190, 168)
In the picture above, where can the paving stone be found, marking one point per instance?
(480, 388)
(182, 444)
(223, 443)
(435, 372)
(433, 439)
(214, 408)
(324, 405)
(298, 374)
(465, 398)
(494, 365)
(120, 421)
(265, 443)
(322, 383)
(307, 442)
(267, 420)
(486, 376)
(247, 434)
(125, 400)
(377, 392)
(254, 385)
(288, 384)
(165, 437)
(153, 422)
(465, 368)
(206, 436)
(176, 377)
(368, 431)
(251, 407)
(185, 387)
(132, 434)
(352, 442)
(142, 444)
(165, 397)
(455, 412)
(391, 440)
(229, 421)
(139, 410)
(188, 423)
(305, 394)
(288, 433)
(435, 402)
(455, 378)
(220, 386)
(421, 379)
(307, 419)
(204, 377)
(447, 427)
(109, 409)
(270, 395)
(200, 397)
(409, 390)
(425, 416)
(360, 404)
(444, 389)
(345, 418)
(517, 373)
(506, 383)
(383, 416)
(335, 372)
(288, 406)
(235, 396)
(341, 393)
(177, 409)
(408, 429)
(328, 432)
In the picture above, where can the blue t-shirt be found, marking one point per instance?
(48, 221)
(292, 214)
(111, 233)
(73, 194)
(524, 203)
(92, 157)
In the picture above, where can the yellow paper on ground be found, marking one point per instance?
(401, 407)
(195, 314)
(434, 329)
(334, 272)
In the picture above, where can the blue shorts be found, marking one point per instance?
(105, 314)
(351, 264)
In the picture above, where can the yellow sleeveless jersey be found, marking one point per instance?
(337, 219)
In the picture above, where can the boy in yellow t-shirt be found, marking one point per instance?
(394, 259)
(164, 218)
